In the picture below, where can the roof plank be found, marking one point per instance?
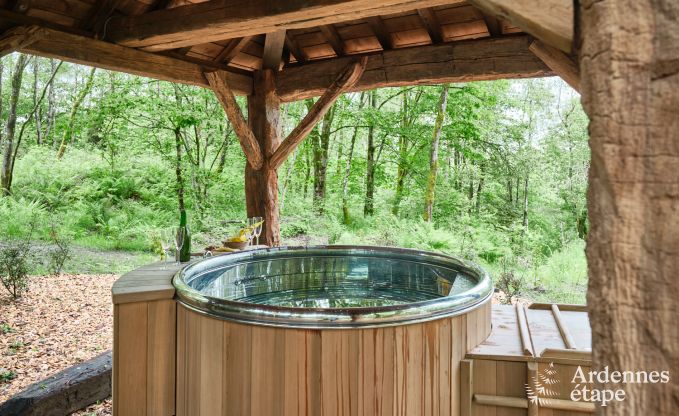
(464, 61)
(226, 19)
(551, 21)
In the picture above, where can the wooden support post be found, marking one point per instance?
(260, 135)
(19, 37)
(261, 185)
(558, 62)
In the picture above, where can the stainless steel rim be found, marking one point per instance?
(338, 318)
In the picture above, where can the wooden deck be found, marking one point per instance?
(524, 345)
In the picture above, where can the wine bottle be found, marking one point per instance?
(185, 251)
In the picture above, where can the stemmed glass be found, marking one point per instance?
(166, 241)
(179, 234)
(250, 233)
(257, 223)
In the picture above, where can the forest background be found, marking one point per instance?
(494, 172)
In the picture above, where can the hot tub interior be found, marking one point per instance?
(332, 279)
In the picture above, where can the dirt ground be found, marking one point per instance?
(59, 322)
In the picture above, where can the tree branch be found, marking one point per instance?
(344, 81)
(248, 141)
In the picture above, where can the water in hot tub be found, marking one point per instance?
(334, 282)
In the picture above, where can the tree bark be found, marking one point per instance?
(178, 167)
(68, 134)
(10, 127)
(320, 147)
(434, 155)
(630, 90)
(38, 112)
(261, 186)
(525, 204)
(402, 156)
(368, 204)
(51, 106)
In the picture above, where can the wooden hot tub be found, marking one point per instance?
(318, 331)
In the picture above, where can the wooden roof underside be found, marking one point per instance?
(308, 41)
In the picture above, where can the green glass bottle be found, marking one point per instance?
(185, 251)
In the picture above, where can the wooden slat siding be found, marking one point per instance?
(131, 367)
(86, 51)
(466, 387)
(214, 21)
(466, 61)
(161, 353)
(511, 382)
(180, 360)
(403, 370)
(484, 374)
(210, 384)
(144, 358)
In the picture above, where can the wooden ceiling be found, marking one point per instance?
(307, 41)
(440, 24)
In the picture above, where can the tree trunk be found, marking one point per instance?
(178, 167)
(525, 204)
(630, 90)
(261, 186)
(2, 103)
(402, 157)
(368, 204)
(321, 144)
(38, 112)
(346, 215)
(479, 189)
(10, 126)
(51, 107)
(434, 154)
(68, 134)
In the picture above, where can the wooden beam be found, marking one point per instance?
(273, 50)
(380, 31)
(493, 24)
(20, 37)
(102, 10)
(351, 74)
(559, 62)
(294, 48)
(227, 19)
(87, 51)
(431, 23)
(333, 38)
(463, 61)
(551, 21)
(219, 83)
(232, 49)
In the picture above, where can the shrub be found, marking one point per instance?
(14, 266)
(510, 283)
(60, 253)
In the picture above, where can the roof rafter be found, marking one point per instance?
(226, 19)
(431, 23)
(381, 31)
(463, 61)
(334, 39)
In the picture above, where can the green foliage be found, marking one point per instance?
(6, 376)
(510, 192)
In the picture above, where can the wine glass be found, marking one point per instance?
(166, 241)
(179, 234)
(257, 223)
(250, 232)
